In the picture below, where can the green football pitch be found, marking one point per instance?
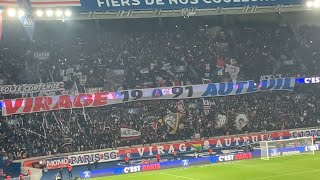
(300, 167)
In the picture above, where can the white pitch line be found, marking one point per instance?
(288, 174)
(183, 177)
(126, 176)
(264, 165)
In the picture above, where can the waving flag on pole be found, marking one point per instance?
(28, 24)
(172, 121)
(206, 106)
(27, 20)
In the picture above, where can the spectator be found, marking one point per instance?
(96, 164)
(109, 61)
(175, 155)
(8, 177)
(29, 173)
(21, 176)
(126, 160)
(89, 166)
(70, 170)
(158, 156)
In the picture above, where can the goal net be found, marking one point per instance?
(286, 147)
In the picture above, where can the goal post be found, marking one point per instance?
(286, 147)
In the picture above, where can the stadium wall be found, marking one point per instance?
(182, 147)
(139, 151)
(116, 168)
(189, 162)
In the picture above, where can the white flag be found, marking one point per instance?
(241, 121)
(233, 71)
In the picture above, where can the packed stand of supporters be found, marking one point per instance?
(89, 55)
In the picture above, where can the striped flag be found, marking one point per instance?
(206, 106)
(196, 147)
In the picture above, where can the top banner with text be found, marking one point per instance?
(42, 104)
(119, 5)
(31, 88)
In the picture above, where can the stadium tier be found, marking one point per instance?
(188, 97)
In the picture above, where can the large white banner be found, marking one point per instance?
(306, 133)
(83, 159)
(30, 88)
(41, 104)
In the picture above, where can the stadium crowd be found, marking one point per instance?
(159, 56)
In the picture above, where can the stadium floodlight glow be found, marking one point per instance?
(59, 13)
(313, 4)
(12, 12)
(67, 13)
(309, 4)
(39, 13)
(49, 13)
(21, 13)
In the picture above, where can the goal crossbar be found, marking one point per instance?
(286, 147)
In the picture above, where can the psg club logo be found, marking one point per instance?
(185, 163)
(86, 174)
